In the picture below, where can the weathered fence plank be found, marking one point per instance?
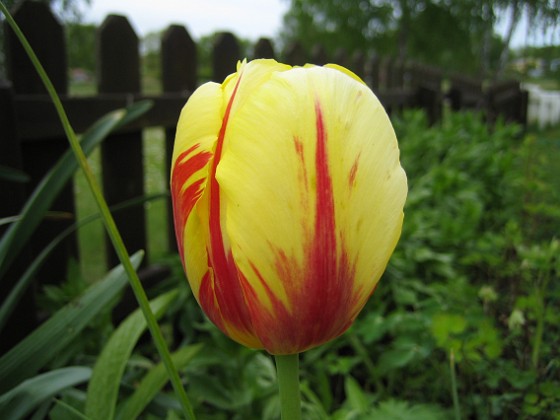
(295, 54)
(319, 55)
(341, 58)
(178, 60)
(178, 69)
(225, 55)
(37, 119)
(13, 193)
(466, 92)
(263, 49)
(372, 72)
(118, 71)
(358, 63)
(32, 138)
(508, 100)
(23, 319)
(45, 34)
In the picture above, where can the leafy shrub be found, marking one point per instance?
(466, 285)
(464, 321)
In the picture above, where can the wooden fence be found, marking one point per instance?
(32, 139)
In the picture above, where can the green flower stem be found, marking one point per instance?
(287, 368)
(108, 220)
(539, 330)
(454, 392)
(361, 350)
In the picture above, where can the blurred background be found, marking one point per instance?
(465, 322)
(475, 37)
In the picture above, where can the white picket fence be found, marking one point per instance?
(544, 106)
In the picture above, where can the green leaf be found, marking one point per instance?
(402, 352)
(44, 194)
(446, 325)
(153, 382)
(12, 174)
(355, 397)
(24, 398)
(402, 410)
(27, 277)
(43, 344)
(103, 388)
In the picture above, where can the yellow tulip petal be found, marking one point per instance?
(197, 132)
(345, 71)
(248, 78)
(205, 255)
(314, 193)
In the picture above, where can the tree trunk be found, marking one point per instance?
(404, 29)
(504, 55)
(488, 28)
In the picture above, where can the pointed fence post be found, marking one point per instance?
(46, 36)
(319, 55)
(372, 72)
(178, 71)
(225, 55)
(340, 57)
(294, 54)
(12, 199)
(33, 156)
(118, 71)
(264, 49)
(358, 63)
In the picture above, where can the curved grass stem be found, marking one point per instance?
(108, 220)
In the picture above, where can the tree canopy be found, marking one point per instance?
(457, 35)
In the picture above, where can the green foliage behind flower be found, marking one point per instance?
(470, 278)
(474, 281)
(467, 278)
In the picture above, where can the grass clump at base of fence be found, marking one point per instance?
(91, 238)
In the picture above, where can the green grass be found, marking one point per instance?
(91, 237)
(150, 86)
(545, 83)
(542, 173)
(155, 181)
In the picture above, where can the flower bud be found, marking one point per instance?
(288, 200)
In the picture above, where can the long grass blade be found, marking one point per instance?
(50, 186)
(108, 220)
(153, 382)
(42, 345)
(105, 381)
(23, 283)
(24, 398)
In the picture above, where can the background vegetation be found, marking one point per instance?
(464, 322)
(465, 318)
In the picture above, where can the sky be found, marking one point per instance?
(248, 19)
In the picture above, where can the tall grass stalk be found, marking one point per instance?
(454, 391)
(108, 220)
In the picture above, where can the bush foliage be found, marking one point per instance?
(463, 322)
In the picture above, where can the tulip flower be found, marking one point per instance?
(288, 199)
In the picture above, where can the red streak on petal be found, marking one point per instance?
(323, 253)
(226, 294)
(353, 170)
(184, 201)
(320, 290)
(298, 145)
(211, 309)
(328, 275)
